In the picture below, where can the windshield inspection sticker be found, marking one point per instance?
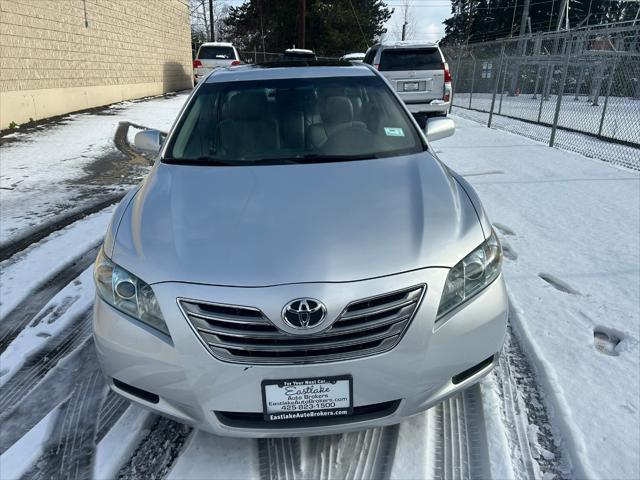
(393, 132)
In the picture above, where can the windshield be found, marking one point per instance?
(410, 59)
(216, 53)
(292, 121)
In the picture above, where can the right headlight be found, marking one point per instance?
(471, 274)
(127, 293)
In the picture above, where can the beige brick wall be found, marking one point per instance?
(52, 62)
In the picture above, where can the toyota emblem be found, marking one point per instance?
(304, 313)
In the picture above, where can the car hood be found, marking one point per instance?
(271, 225)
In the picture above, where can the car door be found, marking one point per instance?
(416, 73)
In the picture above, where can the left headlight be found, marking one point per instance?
(473, 273)
(127, 293)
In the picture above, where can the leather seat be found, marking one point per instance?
(249, 130)
(337, 115)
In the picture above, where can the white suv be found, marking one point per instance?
(212, 55)
(419, 74)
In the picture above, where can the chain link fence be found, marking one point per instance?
(579, 90)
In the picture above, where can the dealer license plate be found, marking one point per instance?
(299, 399)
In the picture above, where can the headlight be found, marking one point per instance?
(127, 293)
(471, 274)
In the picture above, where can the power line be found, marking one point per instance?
(358, 22)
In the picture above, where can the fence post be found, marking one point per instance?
(504, 80)
(544, 89)
(560, 92)
(606, 99)
(495, 87)
(473, 78)
(456, 75)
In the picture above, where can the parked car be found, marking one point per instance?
(298, 261)
(213, 55)
(302, 54)
(418, 72)
(353, 57)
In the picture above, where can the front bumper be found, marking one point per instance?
(191, 386)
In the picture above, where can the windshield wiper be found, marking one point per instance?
(204, 161)
(311, 158)
(299, 159)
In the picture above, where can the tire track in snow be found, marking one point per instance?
(112, 409)
(43, 361)
(460, 442)
(16, 320)
(16, 245)
(8, 249)
(157, 451)
(70, 450)
(535, 454)
(354, 455)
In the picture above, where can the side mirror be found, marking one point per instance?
(149, 140)
(439, 127)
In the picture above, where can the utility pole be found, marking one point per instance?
(525, 15)
(561, 13)
(404, 20)
(212, 33)
(302, 12)
(264, 51)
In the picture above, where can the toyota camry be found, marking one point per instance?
(298, 261)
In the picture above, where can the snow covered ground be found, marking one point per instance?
(51, 169)
(621, 121)
(570, 227)
(563, 402)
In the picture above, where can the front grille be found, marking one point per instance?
(245, 335)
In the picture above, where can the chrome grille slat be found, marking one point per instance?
(379, 347)
(381, 309)
(310, 344)
(242, 334)
(229, 319)
(195, 310)
(245, 335)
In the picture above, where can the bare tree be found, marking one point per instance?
(199, 13)
(406, 27)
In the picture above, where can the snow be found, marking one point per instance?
(621, 118)
(570, 228)
(64, 151)
(589, 145)
(76, 298)
(22, 273)
(211, 457)
(498, 446)
(576, 220)
(16, 460)
(118, 445)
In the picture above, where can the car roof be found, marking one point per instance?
(299, 50)
(407, 44)
(283, 70)
(353, 55)
(217, 44)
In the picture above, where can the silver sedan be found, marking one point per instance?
(298, 261)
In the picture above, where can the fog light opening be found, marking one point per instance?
(461, 377)
(136, 392)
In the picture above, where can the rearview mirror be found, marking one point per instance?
(439, 127)
(149, 140)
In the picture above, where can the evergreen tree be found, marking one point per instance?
(332, 28)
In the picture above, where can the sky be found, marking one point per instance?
(425, 18)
